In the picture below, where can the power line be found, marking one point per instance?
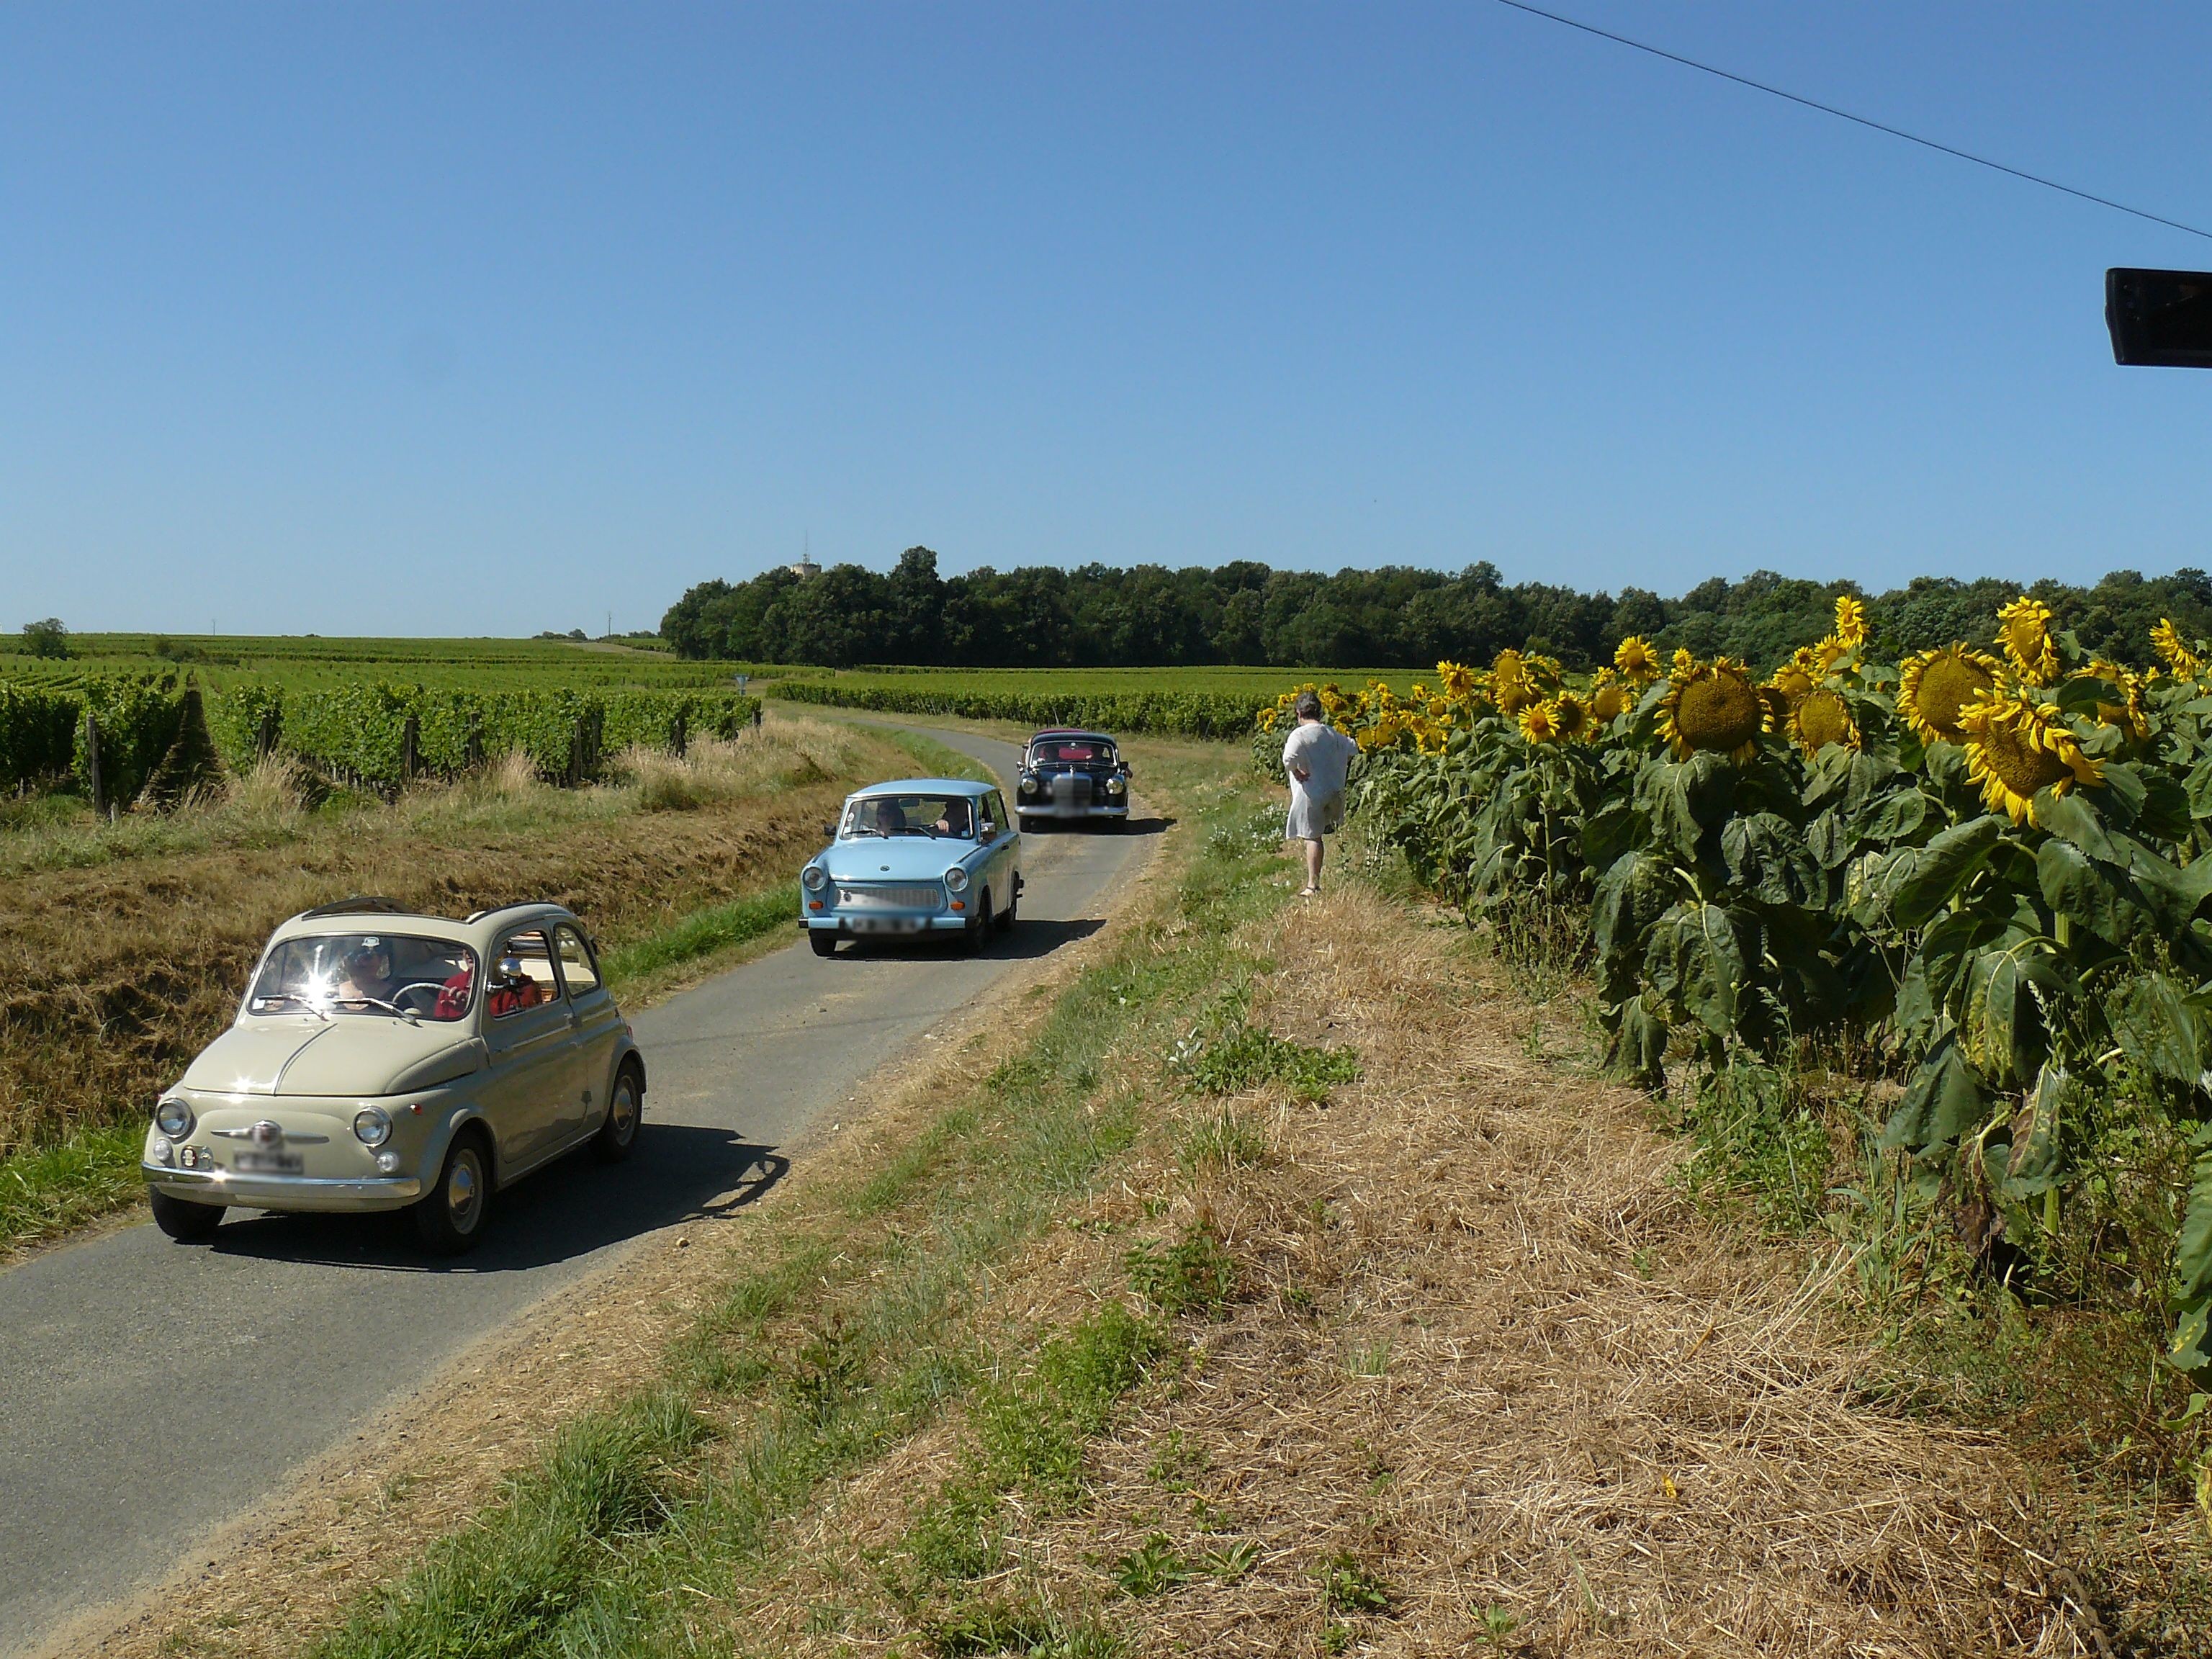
(1859, 120)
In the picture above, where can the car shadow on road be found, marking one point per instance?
(678, 1172)
(1041, 826)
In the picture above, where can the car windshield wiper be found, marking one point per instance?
(407, 1014)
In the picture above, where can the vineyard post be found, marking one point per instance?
(576, 755)
(476, 738)
(679, 732)
(92, 761)
(411, 744)
(264, 737)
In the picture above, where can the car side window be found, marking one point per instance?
(578, 970)
(522, 975)
(994, 810)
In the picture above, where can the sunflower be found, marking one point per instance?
(1458, 680)
(2024, 630)
(2128, 712)
(1438, 709)
(1430, 736)
(1715, 708)
(1572, 716)
(1935, 687)
(1635, 657)
(2166, 639)
(1830, 652)
(1684, 662)
(1610, 697)
(2016, 747)
(1539, 723)
(1822, 717)
(1850, 622)
(1797, 676)
(1419, 693)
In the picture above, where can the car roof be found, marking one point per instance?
(924, 786)
(364, 915)
(1074, 732)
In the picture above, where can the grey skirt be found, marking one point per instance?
(1312, 816)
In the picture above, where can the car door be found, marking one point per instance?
(597, 1026)
(533, 1049)
(1003, 860)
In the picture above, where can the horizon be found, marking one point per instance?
(522, 316)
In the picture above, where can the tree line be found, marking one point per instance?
(1148, 616)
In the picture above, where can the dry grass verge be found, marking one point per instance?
(1491, 1384)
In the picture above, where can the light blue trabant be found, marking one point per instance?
(922, 856)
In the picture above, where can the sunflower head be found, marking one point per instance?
(1715, 708)
(1610, 697)
(1573, 717)
(1457, 679)
(1797, 676)
(1508, 665)
(1539, 723)
(2024, 630)
(1936, 688)
(1431, 735)
(2128, 712)
(2017, 747)
(1850, 622)
(1684, 662)
(1635, 657)
(2166, 639)
(1828, 652)
(1822, 717)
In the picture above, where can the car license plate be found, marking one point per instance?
(885, 924)
(268, 1164)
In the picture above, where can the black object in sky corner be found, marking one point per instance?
(2159, 319)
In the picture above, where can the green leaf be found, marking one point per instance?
(1944, 1100)
(2000, 1019)
(2076, 887)
(1927, 877)
(2157, 1026)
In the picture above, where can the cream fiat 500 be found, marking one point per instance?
(384, 1061)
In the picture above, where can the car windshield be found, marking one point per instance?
(941, 818)
(1057, 752)
(389, 975)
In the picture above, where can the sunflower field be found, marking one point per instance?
(1980, 870)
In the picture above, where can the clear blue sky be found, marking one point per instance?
(481, 318)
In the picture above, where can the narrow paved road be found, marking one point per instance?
(150, 1392)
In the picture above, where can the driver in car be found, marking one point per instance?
(365, 975)
(955, 821)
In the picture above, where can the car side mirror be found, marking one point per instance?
(989, 830)
(831, 831)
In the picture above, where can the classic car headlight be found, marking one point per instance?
(814, 879)
(372, 1126)
(1116, 785)
(1028, 787)
(173, 1118)
(955, 880)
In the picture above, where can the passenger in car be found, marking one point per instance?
(365, 974)
(513, 990)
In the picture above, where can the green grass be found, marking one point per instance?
(605, 1545)
(701, 934)
(45, 1190)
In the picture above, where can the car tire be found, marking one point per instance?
(625, 1113)
(184, 1219)
(1006, 916)
(449, 1218)
(978, 932)
(824, 940)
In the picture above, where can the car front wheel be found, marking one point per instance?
(449, 1218)
(625, 1109)
(181, 1217)
(978, 931)
(824, 940)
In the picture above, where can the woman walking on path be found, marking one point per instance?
(1317, 757)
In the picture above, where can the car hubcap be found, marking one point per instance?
(624, 1112)
(464, 1191)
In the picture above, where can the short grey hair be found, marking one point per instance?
(1307, 707)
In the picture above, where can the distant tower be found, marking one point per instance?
(805, 568)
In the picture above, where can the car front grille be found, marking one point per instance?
(887, 895)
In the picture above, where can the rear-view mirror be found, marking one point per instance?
(2159, 319)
